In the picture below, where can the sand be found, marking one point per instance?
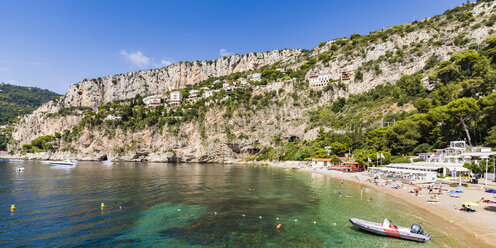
(477, 229)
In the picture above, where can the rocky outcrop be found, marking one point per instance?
(95, 92)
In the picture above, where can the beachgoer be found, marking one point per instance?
(371, 199)
(348, 196)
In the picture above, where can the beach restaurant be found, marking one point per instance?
(346, 164)
(407, 174)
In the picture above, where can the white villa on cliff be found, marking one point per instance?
(176, 98)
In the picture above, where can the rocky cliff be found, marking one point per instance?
(379, 61)
(95, 92)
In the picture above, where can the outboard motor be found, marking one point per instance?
(416, 229)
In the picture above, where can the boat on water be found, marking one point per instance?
(66, 162)
(20, 169)
(17, 160)
(107, 162)
(414, 233)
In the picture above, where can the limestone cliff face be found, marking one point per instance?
(287, 120)
(39, 123)
(95, 92)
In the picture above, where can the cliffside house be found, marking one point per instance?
(346, 75)
(193, 95)
(315, 83)
(275, 85)
(227, 86)
(324, 78)
(4, 153)
(256, 76)
(207, 93)
(243, 81)
(153, 100)
(176, 98)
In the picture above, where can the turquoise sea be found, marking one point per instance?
(192, 205)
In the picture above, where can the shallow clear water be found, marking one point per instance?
(191, 205)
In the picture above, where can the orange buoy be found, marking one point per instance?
(279, 226)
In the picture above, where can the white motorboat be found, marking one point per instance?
(107, 162)
(66, 162)
(20, 169)
(414, 233)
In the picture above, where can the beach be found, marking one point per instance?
(478, 228)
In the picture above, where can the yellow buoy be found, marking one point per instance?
(260, 217)
(102, 205)
(12, 208)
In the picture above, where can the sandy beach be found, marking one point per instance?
(478, 228)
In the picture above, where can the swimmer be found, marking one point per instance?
(371, 199)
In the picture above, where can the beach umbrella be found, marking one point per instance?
(491, 191)
(470, 203)
(458, 189)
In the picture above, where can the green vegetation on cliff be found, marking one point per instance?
(16, 101)
(19, 100)
(461, 105)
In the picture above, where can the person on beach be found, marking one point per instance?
(371, 199)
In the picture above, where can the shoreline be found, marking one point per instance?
(477, 229)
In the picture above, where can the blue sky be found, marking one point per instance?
(53, 44)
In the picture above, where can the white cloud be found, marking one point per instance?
(223, 52)
(137, 58)
(165, 62)
(140, 60)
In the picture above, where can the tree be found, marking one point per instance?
(320, 153)
(464, 110)
(423, 105)
(491, 138)
(412, 84)
(339, 148)
(377, 139)
(404, 136)
(490, 49)
(447, 72)
(422, 148)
